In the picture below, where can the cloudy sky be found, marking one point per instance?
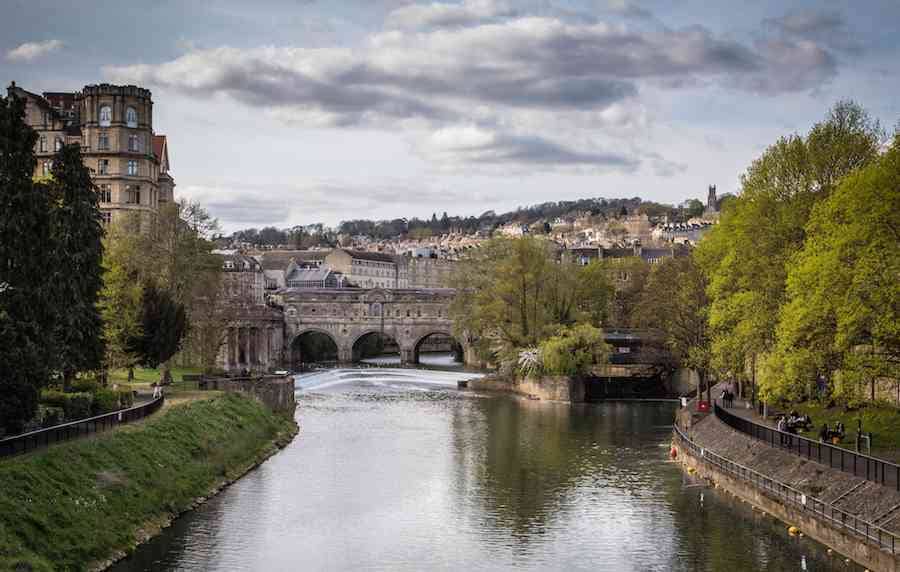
(283, 112)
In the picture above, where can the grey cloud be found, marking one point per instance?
(444, 15)
(826, 28)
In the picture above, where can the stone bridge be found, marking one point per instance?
(345, 315)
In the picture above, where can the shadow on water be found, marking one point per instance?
(396, 469)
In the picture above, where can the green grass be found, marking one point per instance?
(883, 421)
(79, 502)
(146, 376)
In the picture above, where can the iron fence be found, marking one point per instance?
(876, 470)
(26, 442)
(838, 518)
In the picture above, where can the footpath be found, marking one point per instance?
(876, 507)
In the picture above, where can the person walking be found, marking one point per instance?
(824, 433)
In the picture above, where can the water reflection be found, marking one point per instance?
(397, 470)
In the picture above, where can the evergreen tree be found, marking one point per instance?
(26, 291)
(164, 324)
(78, 230)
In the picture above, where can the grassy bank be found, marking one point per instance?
(80, 502)
(883, 421)
(146, 376)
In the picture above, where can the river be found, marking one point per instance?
(396, 469)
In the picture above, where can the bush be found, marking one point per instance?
(53, 398)
(78, 405)
(126, 398)
(105, 401)
(84, 385)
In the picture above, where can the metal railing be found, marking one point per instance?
(872, 469)
(789, 495)
(26, 442)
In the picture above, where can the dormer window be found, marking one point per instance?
(131, 117)
(105, 116)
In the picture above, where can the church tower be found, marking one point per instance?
(711, 199)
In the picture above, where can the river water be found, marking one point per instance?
(396, 469)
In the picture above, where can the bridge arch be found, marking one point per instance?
(374, 343)
(313, 345)
(455, 347)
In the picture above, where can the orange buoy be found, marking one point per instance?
(673, 452)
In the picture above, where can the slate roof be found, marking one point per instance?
(373, 256)
(279, 259)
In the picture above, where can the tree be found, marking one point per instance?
(120, 300)
(842, 317)
(27, 282)
(746, 256)
(573, 350)
(163, 326)
(78, 231)
(674, 301)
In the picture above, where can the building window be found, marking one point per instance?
(134, 143)
(132, 168)
(46, 167)
(105, 116)
(103, 141)
(131, 117)
(106, 217)
(103, 166)
(43, 144)
(59, 144)
(133, 195)
(105, 194)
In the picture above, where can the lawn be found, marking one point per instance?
(883, 421)
(143, 377)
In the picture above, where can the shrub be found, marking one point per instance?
(78, 405)
(105, 401)
(126, 398)
(84, 385)
(53, 398)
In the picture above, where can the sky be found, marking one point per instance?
(285, 112)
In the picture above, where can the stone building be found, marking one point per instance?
(428, 272)
(114, 126)
(365, 269)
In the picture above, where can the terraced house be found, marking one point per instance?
(114, 126)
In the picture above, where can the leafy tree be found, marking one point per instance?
(842, 318)
(574, 350)
(674, 301)
(163, 326)
(27, 282)
(78, 238)
(746, 256)
(120, 300)
(693, 208)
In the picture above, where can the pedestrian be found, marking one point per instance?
(823, 433)
(683, 401)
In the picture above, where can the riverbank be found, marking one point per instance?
(797, 491)
(82, 505)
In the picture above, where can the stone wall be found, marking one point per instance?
(549, 388)
(275, 391)
(868, 500)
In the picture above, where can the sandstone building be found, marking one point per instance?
(114, 126)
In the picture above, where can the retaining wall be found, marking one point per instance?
(549, 388)
(274, 391)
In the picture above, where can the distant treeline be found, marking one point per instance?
(318, 235)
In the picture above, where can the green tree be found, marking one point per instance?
(78, 238)
(120, 300)
(674, 301)
(574, 350)
(163, 326)
(842, 318)
(27, 282)
(746, 256)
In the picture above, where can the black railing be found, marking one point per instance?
(789, 495)
(43, 437)
(876, 470)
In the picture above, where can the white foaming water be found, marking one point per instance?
(394, 378)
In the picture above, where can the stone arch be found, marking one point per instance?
(416, 346)
(354, 349)
(295, 351)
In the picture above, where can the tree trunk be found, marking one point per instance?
(130, 374)
(68, 376)
(166, 374)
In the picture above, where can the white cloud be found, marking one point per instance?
(30, 51)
